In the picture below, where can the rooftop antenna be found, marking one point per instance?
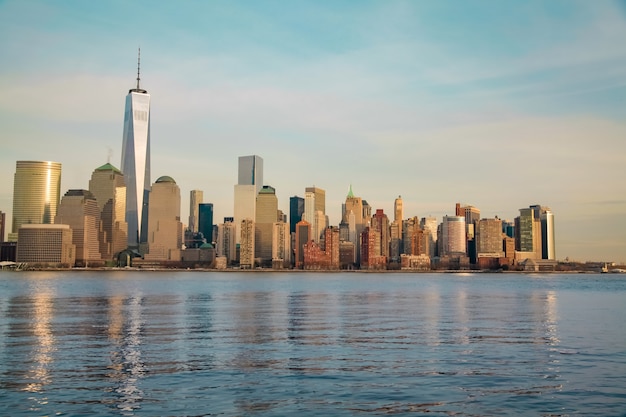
(138, 66)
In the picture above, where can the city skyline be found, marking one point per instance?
(524, 106)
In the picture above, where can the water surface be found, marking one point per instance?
(261, 344)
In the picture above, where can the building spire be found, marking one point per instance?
(138, 66)
(350, 193)
(138, 89)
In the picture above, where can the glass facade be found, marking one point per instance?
(136, 164)
(36, 193)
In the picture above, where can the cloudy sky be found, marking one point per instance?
(495, 104)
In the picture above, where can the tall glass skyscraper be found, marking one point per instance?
(249, 183)
(36, 193)
(250, 171)
(136, 163)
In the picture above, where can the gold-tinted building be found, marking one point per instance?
(36, 193)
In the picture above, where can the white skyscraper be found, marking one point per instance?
(250, 181)
(136, 162)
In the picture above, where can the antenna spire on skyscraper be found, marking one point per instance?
(138, 66)
(138, 89)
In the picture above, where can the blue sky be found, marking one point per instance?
(495, 104)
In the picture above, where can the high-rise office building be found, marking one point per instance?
(380, 222)
(395, 240)
(546, 219)
(165, 230)
(430, 224)
(319, 198)
(205, 221)
(453, 236)
(80, 211)
(296, 209)
(136, 162)
(353, 215)
(489, 237)
(195, 199)
(355, 205)
(281, 243)
(36, 193)
(108, 187)
(250, 181)
(525, 231)
(315, 211)
(409, 227)
(226, 241)
(266, 216)
(250, 171)
(246, 248)
(398, 209)
(303, 233)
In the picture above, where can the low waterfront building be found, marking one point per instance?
(46, 245)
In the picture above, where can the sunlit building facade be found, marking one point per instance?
(108, 187)
(165, 230)
(453, 236)
(80, 211)
(36, 193)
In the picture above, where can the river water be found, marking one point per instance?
(311, 344)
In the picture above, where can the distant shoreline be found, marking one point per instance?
(299, 271)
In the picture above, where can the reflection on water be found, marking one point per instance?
(442, 345)
(126, 368)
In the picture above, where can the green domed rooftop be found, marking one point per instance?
(108, 167)
(165, 178)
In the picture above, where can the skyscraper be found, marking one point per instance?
(315, 211)
(205, 221)
(165, 231)
(79, 210)
(250, 171)
(546, 218)
(303, 233)
(380, 222)
(281, 243)
(36, 192)
(195, 199)
(453, 236)
(250, 181)
(226, 242)
(266, 216)
(353, 215)
(398, 210)
(246, 256)
(136, 162)
(296, 209)
(108, 187)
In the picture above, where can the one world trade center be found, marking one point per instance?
(136, 162)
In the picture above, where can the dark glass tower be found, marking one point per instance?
(205, 221)
(296, 209)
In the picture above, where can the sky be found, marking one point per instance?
(499, 105)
